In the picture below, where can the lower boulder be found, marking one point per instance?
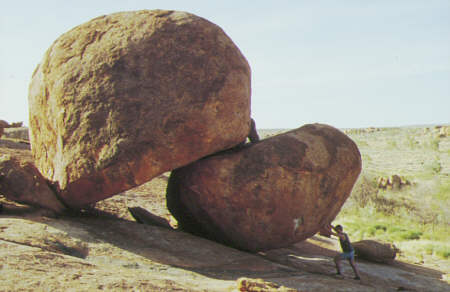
(375, 251)
(268, 194)
(20, 181)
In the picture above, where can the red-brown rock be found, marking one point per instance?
(20, 181)
(125, 97)
(270, 194)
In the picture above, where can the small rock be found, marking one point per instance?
(22, 182)
(142, 216)
(376, 251)
(259, 285)
(395, 181)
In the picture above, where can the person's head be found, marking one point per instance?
(339, 228)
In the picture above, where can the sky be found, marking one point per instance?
(346, 63)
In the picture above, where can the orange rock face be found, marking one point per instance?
(125, 97)
(270, 194)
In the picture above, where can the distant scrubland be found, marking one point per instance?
(403, 193)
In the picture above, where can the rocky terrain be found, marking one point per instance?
(126, 97)
(131, 104)
(104, 248)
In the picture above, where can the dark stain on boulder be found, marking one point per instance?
(332, 140)
(290, 150)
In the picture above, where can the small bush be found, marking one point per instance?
(392, 144)
(411, 142)
(434, 166)
(364, 190)
(376, 230)
(443, 193)
(429, 248)
(386, 205)
(366, 157)
(361, 143)
(443, 252)
(433, 144)
(380, 227)
(410, 235)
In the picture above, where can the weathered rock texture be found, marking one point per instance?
(375, 251)
(270, 194)
(128, 96)
(20, 181)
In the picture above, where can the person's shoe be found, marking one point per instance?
(357, 278)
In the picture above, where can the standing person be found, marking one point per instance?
(347, 250)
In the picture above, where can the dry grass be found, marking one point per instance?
(416, 218)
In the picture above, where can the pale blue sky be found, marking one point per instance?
(347, 63)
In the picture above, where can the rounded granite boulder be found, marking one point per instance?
(125, 97)
(269, 194)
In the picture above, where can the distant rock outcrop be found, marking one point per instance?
(442, 131)
(17, 133)
(394, 182)
(125, 97)
(269, 194)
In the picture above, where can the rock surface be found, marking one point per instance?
(270, 194)
(106, 250)
(98, 252)
(20, 181)
(125, 97)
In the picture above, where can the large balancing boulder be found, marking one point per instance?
(270, 194)
(125, 97)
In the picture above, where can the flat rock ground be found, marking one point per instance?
(104, 248)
